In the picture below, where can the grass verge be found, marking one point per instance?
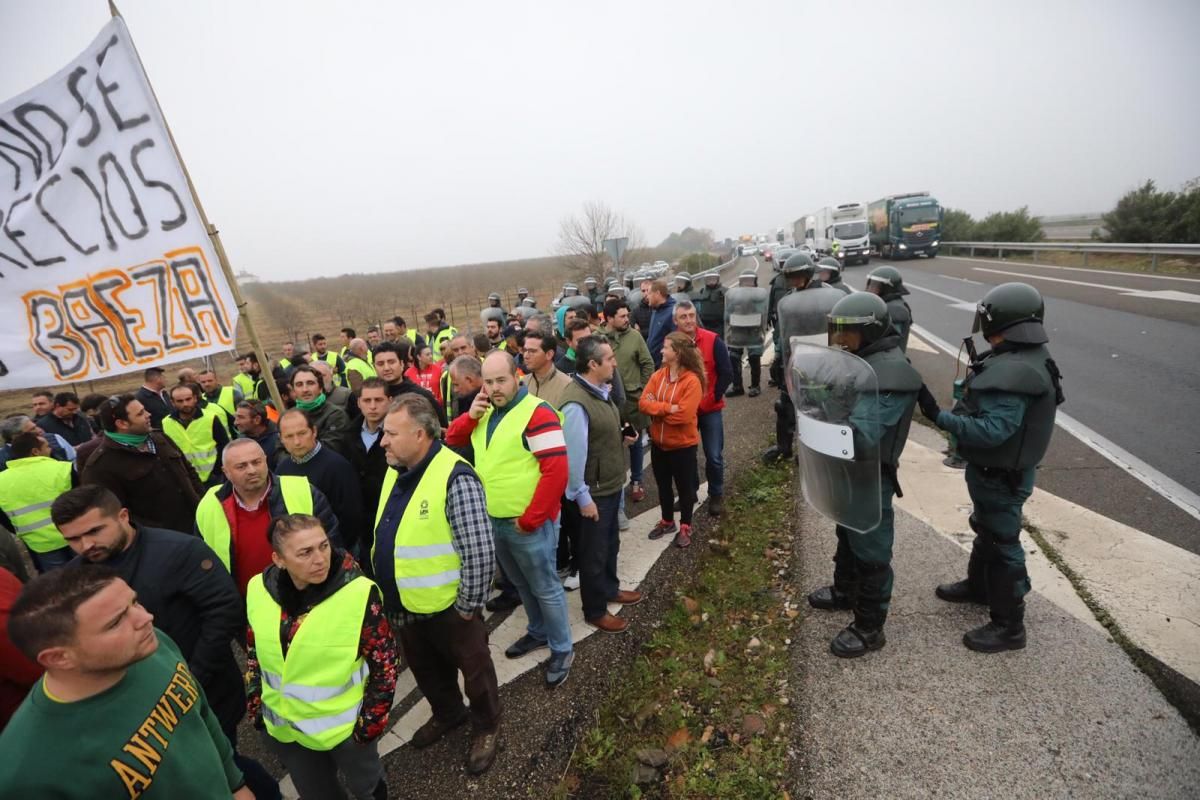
(1172, 685)
(703, 711)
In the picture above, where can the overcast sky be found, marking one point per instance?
(344, 137)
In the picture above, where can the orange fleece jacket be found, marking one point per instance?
(671, 431)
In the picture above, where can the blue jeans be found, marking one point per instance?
(712, 437)
(528, 559)
(637, 458)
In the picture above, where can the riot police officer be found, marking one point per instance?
(829, 270)
(592, 291)
(1002, 426)
(804, 311)
(746, 323)
(710, 302)
(862, 571)
(522, 293)
(683, 287)
(887, 283)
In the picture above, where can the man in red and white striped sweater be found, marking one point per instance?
(520, 456)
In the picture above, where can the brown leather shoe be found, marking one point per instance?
(609, 624)
(433, 730)
(483, 751)
(627, 597)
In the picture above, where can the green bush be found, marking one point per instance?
(1147, 215)
(698, 262)
(999, 226)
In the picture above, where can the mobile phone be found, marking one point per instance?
(628, 430)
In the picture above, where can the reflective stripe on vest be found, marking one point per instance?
(196, 441)
(445, 334)
(214, 525)
(28, 487)
(313, 695)
(509, 472)
(426, 564)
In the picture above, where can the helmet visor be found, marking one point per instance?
(982, 313)
(847, 332)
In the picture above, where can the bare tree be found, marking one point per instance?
(581, 238)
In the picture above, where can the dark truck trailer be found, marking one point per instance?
(905, 225)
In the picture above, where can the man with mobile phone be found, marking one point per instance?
(521, 458)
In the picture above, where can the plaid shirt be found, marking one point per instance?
(471, 535)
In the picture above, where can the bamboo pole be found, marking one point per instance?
(214, 235)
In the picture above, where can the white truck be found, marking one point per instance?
(840, 231)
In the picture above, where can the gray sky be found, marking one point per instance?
(340, 137)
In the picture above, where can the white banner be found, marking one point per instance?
(105, 266)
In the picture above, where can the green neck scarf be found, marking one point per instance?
(128, 439)
(311, 405)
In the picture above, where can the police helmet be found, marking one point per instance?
(712, 278)
(522, 292)
(860, 312)
(889, 278)
(1014, 309)
(570, 290)
(748, 278)
(799, 264)
(683, 277)
(494, 297)
(590, 281)
(832, 266)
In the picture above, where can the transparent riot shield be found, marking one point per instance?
(837, 427)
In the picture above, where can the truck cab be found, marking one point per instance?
(907, 225)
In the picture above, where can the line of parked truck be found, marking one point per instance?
(897, 226)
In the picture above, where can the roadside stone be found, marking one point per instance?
(690, 605)
(652, 757)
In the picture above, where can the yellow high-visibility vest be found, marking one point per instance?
(427, 566)
(214, 525)
(28, 487)
(313, 695)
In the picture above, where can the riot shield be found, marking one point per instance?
(805, 314)
(837, 425)
(745, 316)
(576, 301)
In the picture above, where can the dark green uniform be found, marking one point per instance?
(863, 561)
(777, 291)
(1003, 426)
(901, 316)
(710, 302)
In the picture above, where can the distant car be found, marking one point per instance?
(767, 253)
(660, 264)
(749, 249)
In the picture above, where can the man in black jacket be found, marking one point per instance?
(325, 469)
(153, 395)
(367, 455)
(67, 420)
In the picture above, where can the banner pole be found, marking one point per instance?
(215, 236)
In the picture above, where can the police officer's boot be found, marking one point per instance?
(974, 588)
(831, 598)
(775, 454)
(1006, 631)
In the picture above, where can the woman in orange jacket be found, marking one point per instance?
(671, 399)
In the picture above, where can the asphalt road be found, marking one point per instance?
(1125, 356)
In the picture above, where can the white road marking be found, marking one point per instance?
(1151, 276)
(1171, 490)
(1165, 294)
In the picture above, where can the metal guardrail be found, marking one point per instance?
(1154, 250)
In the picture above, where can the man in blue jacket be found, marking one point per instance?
(662, 318)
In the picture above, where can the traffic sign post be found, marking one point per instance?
(615, 249)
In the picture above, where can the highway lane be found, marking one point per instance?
(1128, 373)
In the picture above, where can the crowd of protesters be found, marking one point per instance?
(409, 481)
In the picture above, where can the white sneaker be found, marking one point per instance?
(622, 521)
(571, 582)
